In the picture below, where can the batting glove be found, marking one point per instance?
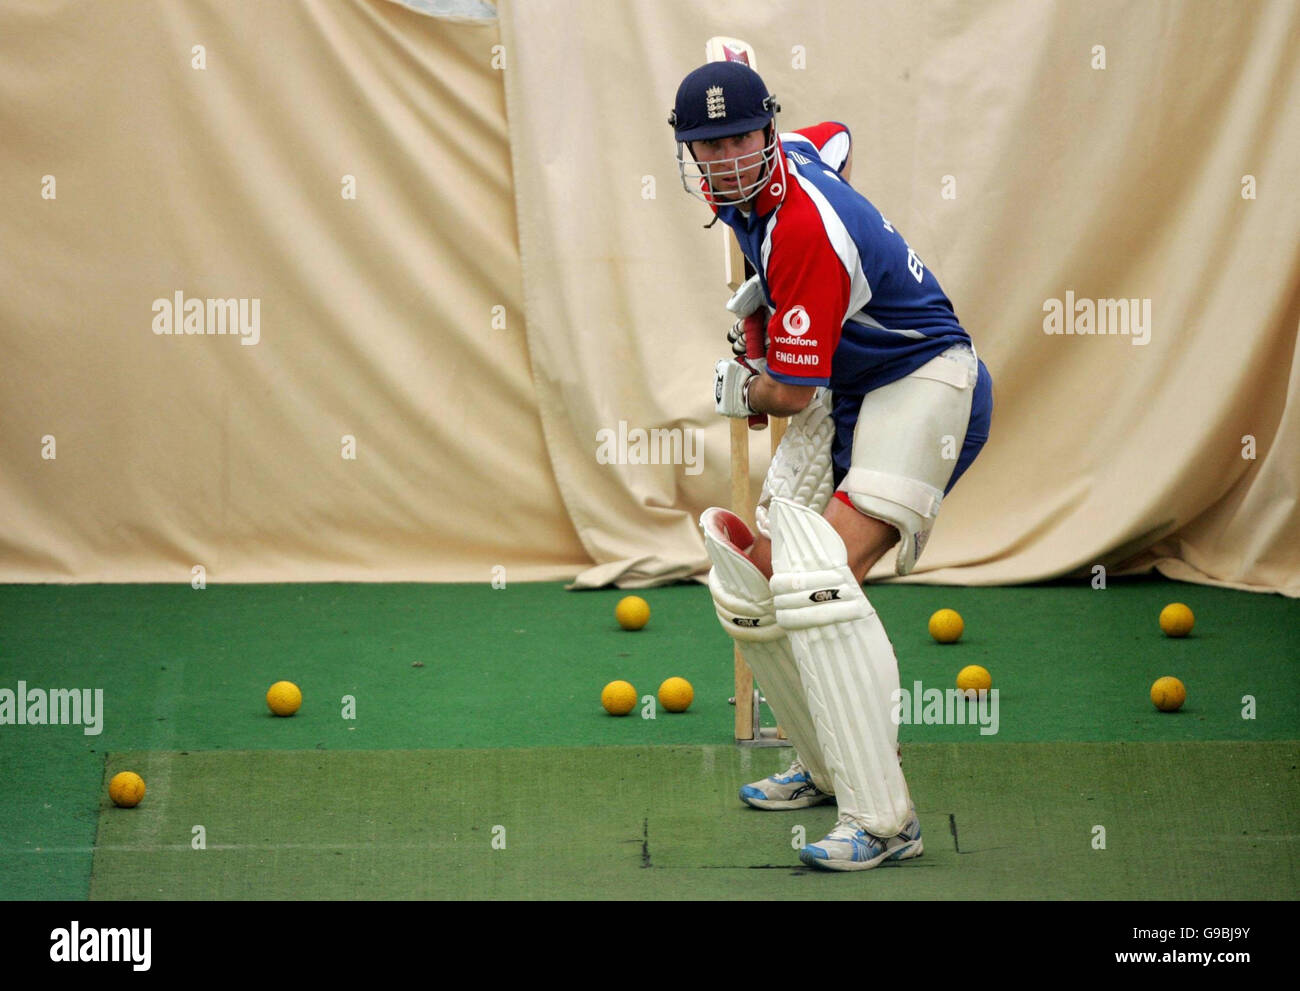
(732, 378)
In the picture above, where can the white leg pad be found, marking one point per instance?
(846, 663)
(801, 468)
(743, 601)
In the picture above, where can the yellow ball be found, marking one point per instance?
(1168, 694)
(946, 626)
(283, 698)
(973, 679)
(632, 612)
(126, 789)
(618, 698)
(676, 694)
(1176, 620)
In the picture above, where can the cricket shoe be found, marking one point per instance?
(849, 847)
(791, 789)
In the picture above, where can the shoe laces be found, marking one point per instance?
(847, 826)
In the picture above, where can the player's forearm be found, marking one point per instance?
(767, 395)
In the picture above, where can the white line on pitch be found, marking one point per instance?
(119, 848)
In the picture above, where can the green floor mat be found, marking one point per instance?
(1023, 821)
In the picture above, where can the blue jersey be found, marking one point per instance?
(853, 307)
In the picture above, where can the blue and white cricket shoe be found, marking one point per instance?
(791, 789)
(849, 847)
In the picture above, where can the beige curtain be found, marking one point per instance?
(1030, 152)
(394, 318)
(486, 313)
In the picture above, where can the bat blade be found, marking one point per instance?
(724, 49)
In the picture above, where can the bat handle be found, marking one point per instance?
(755, 324)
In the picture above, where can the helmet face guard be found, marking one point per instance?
(707, 181)
(724, 100)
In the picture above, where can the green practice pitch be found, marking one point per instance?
(451, 745)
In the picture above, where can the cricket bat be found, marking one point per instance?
(735, 266)
(735, 270)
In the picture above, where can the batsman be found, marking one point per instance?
(889, 405)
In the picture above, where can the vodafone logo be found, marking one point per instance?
(796, 321)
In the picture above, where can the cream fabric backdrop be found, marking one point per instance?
(478, 444)
(376, 313)
(1117, 182)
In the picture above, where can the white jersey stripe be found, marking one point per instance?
(765, 252)
(833, 152)
(836, 150)
(866, 320)
(789, 138)
(838, 235)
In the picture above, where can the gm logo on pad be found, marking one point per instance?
(744, 621)
(824, 595)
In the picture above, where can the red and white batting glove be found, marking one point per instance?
(732, 378)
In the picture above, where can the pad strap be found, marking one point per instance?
(922, 499)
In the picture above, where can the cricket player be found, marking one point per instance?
(889, 405)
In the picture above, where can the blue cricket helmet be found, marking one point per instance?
(720, 99)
